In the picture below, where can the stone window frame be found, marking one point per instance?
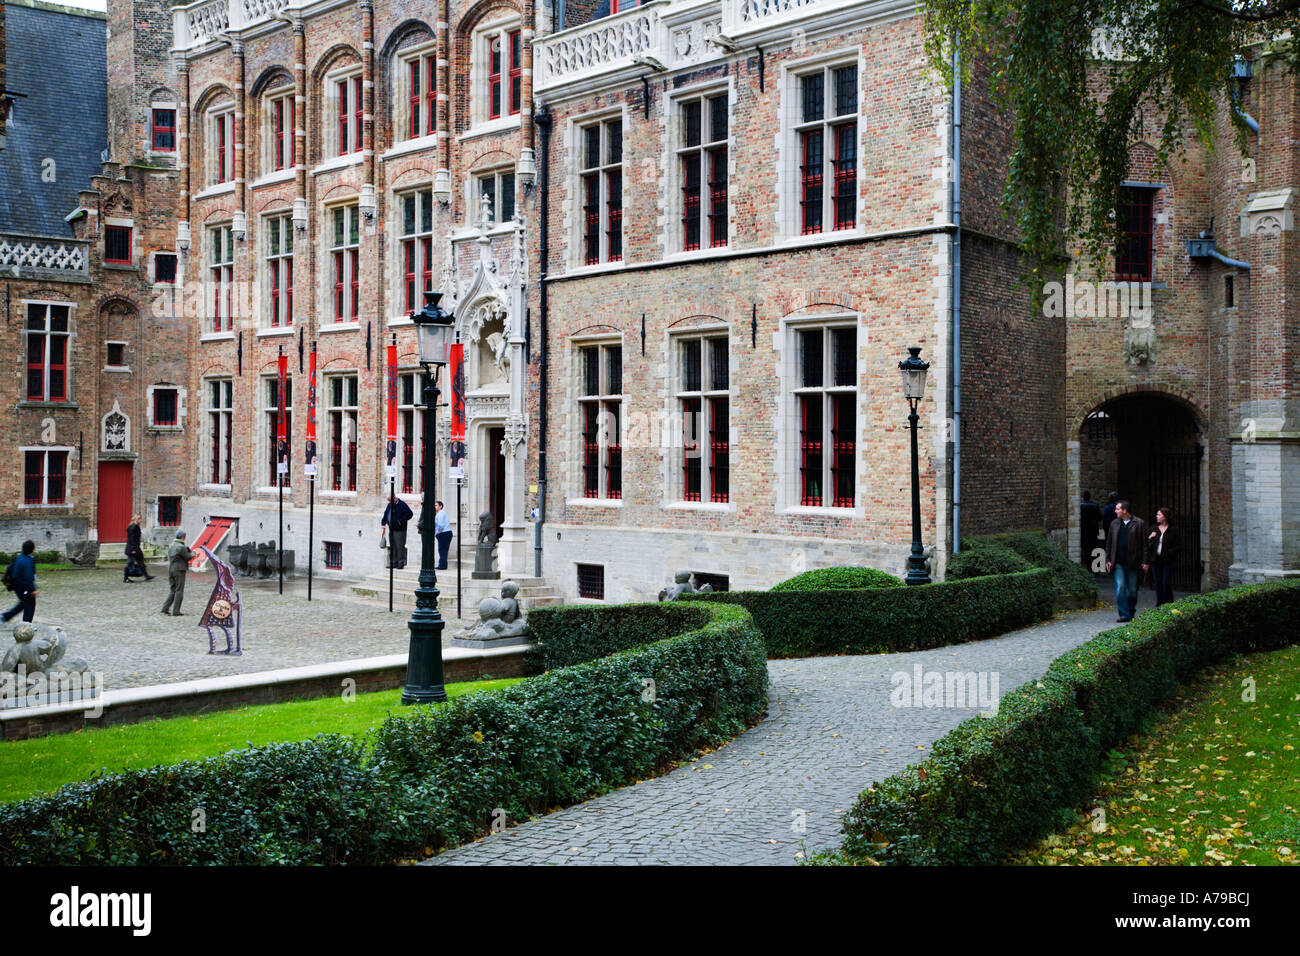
(153, 269)
(216, 172)
(164, 99)
(282, 89)
(396, 266)
(206, 450)
(415, 410)
(474, 196)
(212, 314)
(109, 366)
(328, 321)
(672, 231)
(69, 393)
(284, 215)
(129, 226)
(788, 456)
(331, 151)
(576, 487)
(265, 430)
(479, 96)
(578, 126)
(426, 53)
(181, 410)
(789, 153)
(1161, 210)
(344, 409)
(673, 443)
(45, 504)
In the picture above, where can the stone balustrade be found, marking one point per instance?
(44, 258)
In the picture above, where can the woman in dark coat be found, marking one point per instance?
(134, 554)
(1162, 554)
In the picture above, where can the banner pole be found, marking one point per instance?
(459, 482)
(392, 495)
(311, 535)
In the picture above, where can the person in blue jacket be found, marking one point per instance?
(23, 575)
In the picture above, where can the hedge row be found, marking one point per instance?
(42, 557)
(995, 785)
(433, 778)
(838, 578)
(1072, 583)
(883, 620)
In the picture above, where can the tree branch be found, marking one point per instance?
(1271, 11)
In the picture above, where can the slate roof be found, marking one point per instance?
(56, 57)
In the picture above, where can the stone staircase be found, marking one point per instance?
(533, 592)
(114, 555)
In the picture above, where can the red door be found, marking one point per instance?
(114, 500)
(497, 477)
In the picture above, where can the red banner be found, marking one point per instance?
(391, 448)
(309, 459)
(457, 370)
(283, 363)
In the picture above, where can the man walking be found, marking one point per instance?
(396, 515)
(1125, 554)
(22, 579)
(442, 527)
(178, 562)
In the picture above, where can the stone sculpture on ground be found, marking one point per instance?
(487, 542)
(37, 664)
(501, 621)
(83, 553)
(682, 585)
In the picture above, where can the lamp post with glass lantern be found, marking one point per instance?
(435, 332)
(913, 373)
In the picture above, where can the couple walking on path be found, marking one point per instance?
(1132, 547)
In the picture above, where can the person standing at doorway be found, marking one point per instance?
(134, 554)
(1125, 555)
(1089, 525)
(178, 563)
(396, 515)
(1163, 545)
(22, 580)
(442, 527)
(1108, 512)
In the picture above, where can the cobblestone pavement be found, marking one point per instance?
(830, 732)
(118, 628)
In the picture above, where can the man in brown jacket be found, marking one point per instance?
(1126, 556)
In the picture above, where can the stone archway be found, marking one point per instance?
(1149, 448)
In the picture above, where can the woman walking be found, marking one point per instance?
(1162, 554)
(134, 555)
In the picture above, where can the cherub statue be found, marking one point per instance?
(682, 585)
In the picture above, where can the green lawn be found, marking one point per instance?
(1215, 782)
(43, 764)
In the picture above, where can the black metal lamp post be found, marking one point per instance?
(913, 371)
(435, 333)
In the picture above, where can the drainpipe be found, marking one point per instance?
(543, 123)
(955, 133)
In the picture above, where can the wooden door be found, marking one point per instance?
(114, 500)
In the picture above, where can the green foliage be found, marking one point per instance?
(575, 633)
(841, 578)
(1072, 583)
(42, 557)
(431, 778)
(994, 785)
(881, 620)
(1075, 119)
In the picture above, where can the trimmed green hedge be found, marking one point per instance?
(431, 777)
(881, 620)
(42, 557)
(839, 578)
(1074, 584)
(573, 634)
(994, 785)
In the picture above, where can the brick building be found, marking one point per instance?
(94, 410)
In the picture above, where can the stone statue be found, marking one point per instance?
(682, 585)
(500, 621)
(39, 664)
(1139, 343)
(487, 542)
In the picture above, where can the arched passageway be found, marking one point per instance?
(1148, 449)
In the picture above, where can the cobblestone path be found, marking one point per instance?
(830, 732)
(118, 628)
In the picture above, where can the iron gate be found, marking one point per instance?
(1174, 481)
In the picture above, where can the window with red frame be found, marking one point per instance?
(45, 477)
(601, 188)
(410, 431)
(345, 252)
(826, 406)
(271, 416)
(221, 277)
(169, 511)
(163, 138)
(164, 267)
(334, 555)
(591, 581)
(827, 140)
(600, 410)
(1135, 217)
(702, 155)
(117, 245)
(351, 107)
(47, 352)
(279, 270)
(416, 247)
(164, 407)
(421, 96)
(505, 72)
(280, 115)
(222, 140)
(703, 401)
(221, 405)
(342, 423)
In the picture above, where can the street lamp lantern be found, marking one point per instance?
(913, 372)
(435, 334)
(435, 331)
